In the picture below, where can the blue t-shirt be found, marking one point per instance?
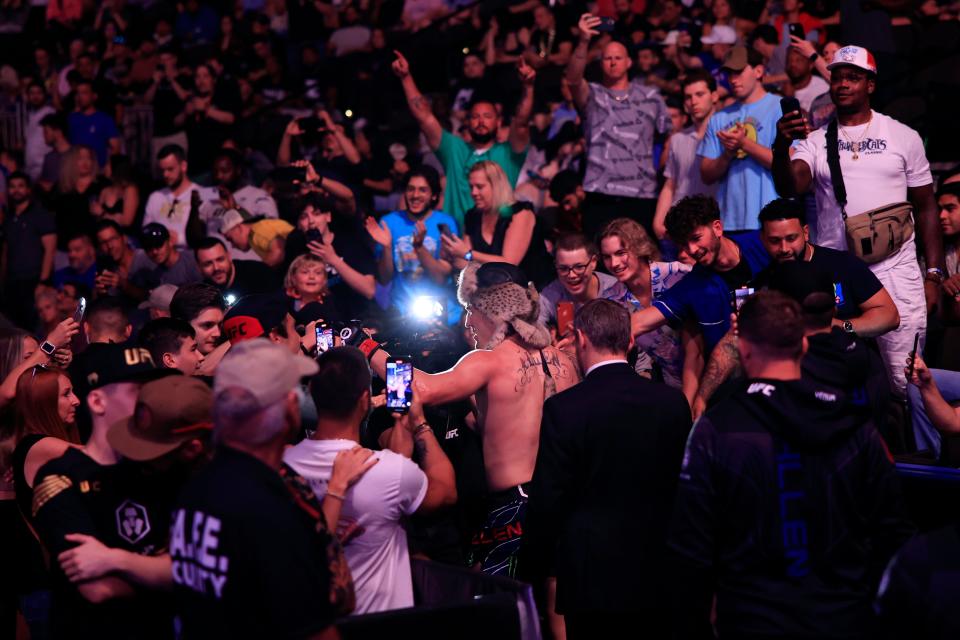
(410, 277)
(94, 130)
(748, 186)
(706, 296)
(69, 274)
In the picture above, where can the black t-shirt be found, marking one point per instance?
(167, 105)
(121, 507)
(252, 277)
(737, 277)
(853, 281)
(245, 558)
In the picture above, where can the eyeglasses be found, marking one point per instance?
(577, 269)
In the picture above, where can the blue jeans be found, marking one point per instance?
(924, 432)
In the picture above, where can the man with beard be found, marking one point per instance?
(30, 235)
(863, 306)
(508, 376)
(483, 124)
(621, 119)
(170, 206)
(880, 165)
(725, 266)
(408, 251)
(235, 278)
(234, 193)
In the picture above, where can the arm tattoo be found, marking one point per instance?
(419, 449)
(724, 362)
(419, 103)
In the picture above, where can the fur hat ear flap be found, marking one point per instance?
(534, 296)
(536, 336)
(467, 286)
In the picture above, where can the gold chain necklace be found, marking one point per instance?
(855, 144)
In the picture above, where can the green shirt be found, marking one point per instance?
(457, 157)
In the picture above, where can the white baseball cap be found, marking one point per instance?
(671, 38)
(854, 57)
(266, 369)
(721, 34)
(160, 297)
(231, 219)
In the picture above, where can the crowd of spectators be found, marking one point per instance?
(678, 276)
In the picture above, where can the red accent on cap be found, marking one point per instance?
(240, 328)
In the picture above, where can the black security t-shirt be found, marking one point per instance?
(120, 507)
(245, 558)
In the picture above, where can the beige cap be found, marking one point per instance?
(231, 219)
(266, 369)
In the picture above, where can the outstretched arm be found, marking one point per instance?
(463, 380)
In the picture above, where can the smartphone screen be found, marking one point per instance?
(740, 296)
(324, 338)
(399, 384)
(445, 230)
(564, 318)
(796, 29)
(81, 309)
(606, 25)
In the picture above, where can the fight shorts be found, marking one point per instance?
(496, 545)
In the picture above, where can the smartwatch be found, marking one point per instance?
(935, 274)
(48, 347)
(848, 326)
(468, 256)
(814, 56)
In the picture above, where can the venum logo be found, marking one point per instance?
(133, 524)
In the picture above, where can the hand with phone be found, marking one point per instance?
(324, 337)
(589, 26)
(63, 332)
(399, 381)
(917, 372)
(793, 125)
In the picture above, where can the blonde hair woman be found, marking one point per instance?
(498, 229)
(633, 259)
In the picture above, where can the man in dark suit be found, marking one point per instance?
(606, 474)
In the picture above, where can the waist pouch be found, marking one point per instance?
(879, 233)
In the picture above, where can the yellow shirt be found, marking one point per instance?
(263, 233)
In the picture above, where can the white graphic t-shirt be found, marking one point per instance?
(391, 490)
(890, 159)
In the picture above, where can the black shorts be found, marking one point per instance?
(496, 545)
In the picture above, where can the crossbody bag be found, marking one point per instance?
(872, 235)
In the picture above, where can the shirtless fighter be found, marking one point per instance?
(509, 375)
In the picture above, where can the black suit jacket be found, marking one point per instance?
(603, 488)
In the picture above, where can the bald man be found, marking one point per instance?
(622, 119)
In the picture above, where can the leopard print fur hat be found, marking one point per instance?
(507, 303)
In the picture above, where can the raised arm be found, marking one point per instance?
(790, 177)
(578, 61)
(520, 125)
(419, 105)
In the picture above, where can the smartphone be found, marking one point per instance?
(311, 124)
(80, 311)
(313, 235)
(106, 263)
(290, 174)
(445, 230)
(399, 384)
(606, 24)
(789, 105)
(324, 338)
(564, 318)
(796, 29)
(740, 296)
(913, 355)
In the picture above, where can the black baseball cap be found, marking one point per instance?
(154, 235)
(109, 363)
(805, 283)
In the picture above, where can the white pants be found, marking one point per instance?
(901, 277)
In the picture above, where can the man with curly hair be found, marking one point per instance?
(508, 376)
(723, 266)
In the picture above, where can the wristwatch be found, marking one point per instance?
(48, 347)
(814, 56)
(935, 274)
(848, 326)
(468, 256)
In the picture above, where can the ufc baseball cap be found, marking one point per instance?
(854, 57)
(108, 363)
(169, 411)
